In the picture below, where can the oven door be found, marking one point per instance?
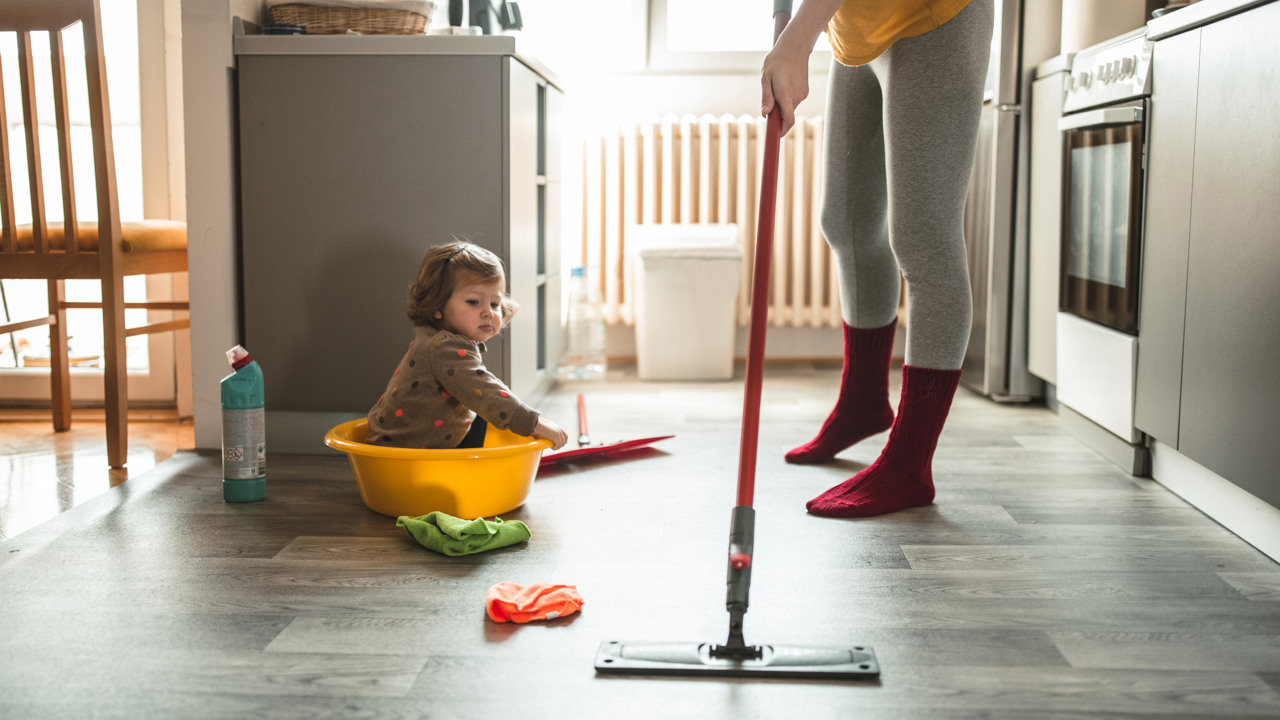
(1102, 214)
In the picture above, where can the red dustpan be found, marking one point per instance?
(586, 451)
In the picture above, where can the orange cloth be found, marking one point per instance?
(863, 29)
(509, 602)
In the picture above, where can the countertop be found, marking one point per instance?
(248, 41)
(1196, 15)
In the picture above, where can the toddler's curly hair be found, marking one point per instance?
(441, 269)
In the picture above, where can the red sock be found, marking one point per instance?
(902, 477)
(862, 410)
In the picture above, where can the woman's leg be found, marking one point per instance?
(933, 93)
(854, 207)
(855, 198)
(933, 101)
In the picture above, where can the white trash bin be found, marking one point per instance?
(686, 283)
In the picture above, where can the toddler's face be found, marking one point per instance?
(474, 310)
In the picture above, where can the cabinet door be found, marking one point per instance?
(1171, 130)
(1231, 375)
(553, 341)
(344, 184)
(523, 224)
(1045, 231)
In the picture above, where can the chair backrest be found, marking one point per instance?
(26, 17)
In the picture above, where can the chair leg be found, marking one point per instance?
(59, 360)
(115, 371)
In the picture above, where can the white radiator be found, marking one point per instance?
(707, 170)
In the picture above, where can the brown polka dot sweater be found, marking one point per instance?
(439, 387)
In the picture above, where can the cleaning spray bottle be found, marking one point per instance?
(244, 430)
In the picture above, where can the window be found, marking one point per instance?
(717, 35)
(24, 354)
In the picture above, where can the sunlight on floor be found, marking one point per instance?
(44, 473)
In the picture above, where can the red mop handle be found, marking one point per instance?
(742, 527)
(759, 311)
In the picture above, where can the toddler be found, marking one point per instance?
(441, 395)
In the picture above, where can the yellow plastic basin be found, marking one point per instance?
(471, 483)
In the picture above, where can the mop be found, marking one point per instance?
(736, 658)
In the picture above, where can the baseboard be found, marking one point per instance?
(303, 433)
(825, 343)
(1051, 396)
(631, 360)
(1236, 509)
(1133, 459)
(88, 415)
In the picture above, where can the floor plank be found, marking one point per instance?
(1136, 556)
(1208, 652)
(1260, 586)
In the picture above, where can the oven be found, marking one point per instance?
(1103, 154)
(1102, 214)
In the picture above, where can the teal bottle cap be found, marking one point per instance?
(251, 490)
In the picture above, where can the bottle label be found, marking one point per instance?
(244, 444)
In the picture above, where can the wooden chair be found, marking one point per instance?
(106, 249)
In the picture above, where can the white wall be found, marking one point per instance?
(208, 127)
(163, 171)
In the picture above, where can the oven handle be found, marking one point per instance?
(1105, 116)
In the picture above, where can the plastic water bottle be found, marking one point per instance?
(244, 430)
(584, 357)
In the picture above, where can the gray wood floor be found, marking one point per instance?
(1044, 582)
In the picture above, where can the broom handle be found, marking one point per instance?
(760, 288)
(759, 313)
(742, 525)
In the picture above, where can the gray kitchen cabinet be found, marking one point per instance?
(357, 154)
(534, 247)
(1229, 398)
(1231, 377)
(1167, 219)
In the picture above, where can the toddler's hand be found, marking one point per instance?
(548, 430)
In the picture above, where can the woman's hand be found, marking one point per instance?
(784, 78)
(548, 430)
(784, 81)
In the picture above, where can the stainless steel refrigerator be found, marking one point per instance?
(995, 224)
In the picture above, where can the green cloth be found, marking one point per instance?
(453, 536)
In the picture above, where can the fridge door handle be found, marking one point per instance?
(1105, 116)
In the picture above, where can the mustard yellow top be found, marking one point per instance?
(863, 29)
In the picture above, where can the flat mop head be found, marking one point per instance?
(691, 658)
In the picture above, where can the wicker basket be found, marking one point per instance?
(332, 20)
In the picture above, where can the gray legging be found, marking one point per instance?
(899, 145)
